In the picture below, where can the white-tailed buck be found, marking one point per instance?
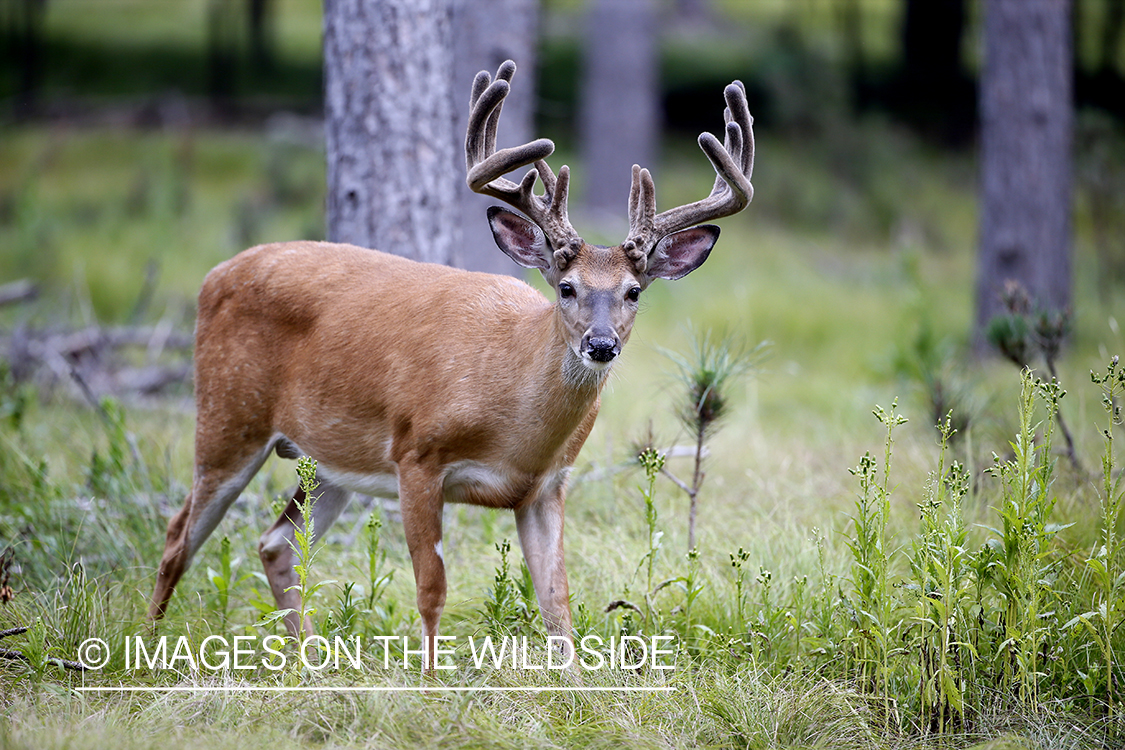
(429, 383)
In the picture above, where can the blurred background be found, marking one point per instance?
(144, 141)
(939, 198)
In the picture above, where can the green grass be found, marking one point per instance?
(832, 264)
(85, 212)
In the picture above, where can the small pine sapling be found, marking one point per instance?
(706, 374)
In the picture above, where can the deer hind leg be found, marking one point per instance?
(214, 487)
(276, 551)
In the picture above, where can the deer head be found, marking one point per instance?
(597, 287)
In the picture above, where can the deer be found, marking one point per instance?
(428, 383)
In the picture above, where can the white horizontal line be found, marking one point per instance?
(374, 689)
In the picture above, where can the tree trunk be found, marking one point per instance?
(620, 104)
(694, 12)
(1026, 122)
(222, 52)
(260, 15)
(22, 37)
(488, 33)
(389, 128)
(849, 15)
(1112, 27)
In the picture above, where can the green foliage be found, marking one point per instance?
(109, 472)
(304, 536)
(940, 585)
(380, 613)
(737, 561)
(652, 462)
(509, 606)
(692, 584)
(1012, 335)
(1026, 331)
(1105, 562)
(15, 399)
(345, 616)
(36, 649)
(1023, 568)
(871, 606)
(932, 635)
(25, 480)
(706, 374)
(225, 579)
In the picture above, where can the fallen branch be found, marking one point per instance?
(17, 656)
(92, 362)
(18, 291)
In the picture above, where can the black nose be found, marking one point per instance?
(601, 348)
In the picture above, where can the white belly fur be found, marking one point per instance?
(462, 478)
(375, 485)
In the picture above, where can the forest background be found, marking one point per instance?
(144, 142)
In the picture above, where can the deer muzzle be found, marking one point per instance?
(601, 346)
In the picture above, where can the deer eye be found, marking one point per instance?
(566, 291)
(633, 294)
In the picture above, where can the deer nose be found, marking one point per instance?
(600, 347)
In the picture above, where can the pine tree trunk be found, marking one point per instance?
(389, 126)
(488, 33)
(1026, 121)
(620, 104)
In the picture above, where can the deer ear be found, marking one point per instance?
(680, 253)
(520, 239)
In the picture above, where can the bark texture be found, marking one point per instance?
(389, 126)
(620, 104)
(487, 34)
(1026, 123)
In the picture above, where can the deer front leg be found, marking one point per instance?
(540, 525)
(420, 495)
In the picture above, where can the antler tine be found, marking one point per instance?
(547, 175)
(484, 102)
(642, 210)
(733, 161)
(558, 192)
(634, 198)
(486, 166)
(505, 73)
(642, 203)
(735, 95)
(480, 83)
